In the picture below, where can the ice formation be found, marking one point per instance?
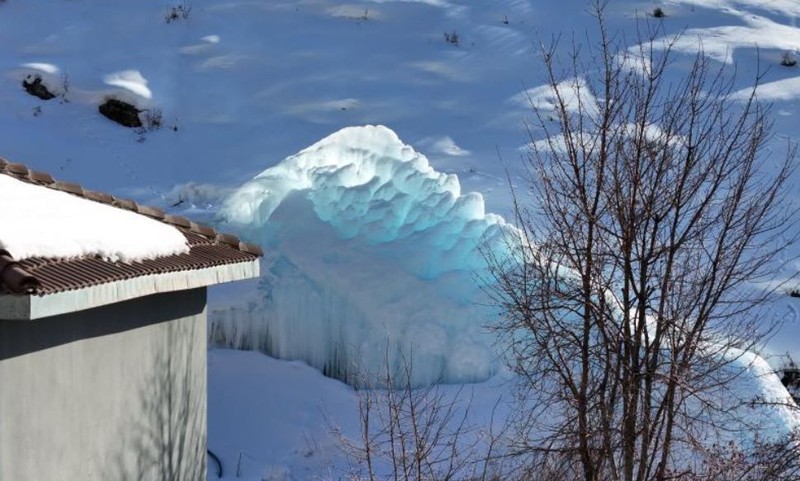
(372, 257)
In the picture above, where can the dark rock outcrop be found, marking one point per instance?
(121, 112)
(34, 86)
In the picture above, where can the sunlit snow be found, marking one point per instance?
(131, 80)
(721, 43)
(244, 84)
(574, 94)
(780, 90)
(44, 67)
(52, 224)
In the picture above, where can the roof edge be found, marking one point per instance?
(15, 277)
(32, 307)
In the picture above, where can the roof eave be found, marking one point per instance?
(31, 306)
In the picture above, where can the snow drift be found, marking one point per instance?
(372, 257)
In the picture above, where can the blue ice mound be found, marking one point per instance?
(372, 260)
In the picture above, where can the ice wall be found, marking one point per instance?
(372, 257)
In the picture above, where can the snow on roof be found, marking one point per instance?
(37, 221)
(90, 256)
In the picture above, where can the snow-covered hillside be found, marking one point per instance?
(378, 228)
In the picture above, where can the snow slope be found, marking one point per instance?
(282, 421)
(297, 439)
(242, 85)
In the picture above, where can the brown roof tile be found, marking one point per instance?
(98, 196)
(228, 239)
(67, 187)
(14, 276)
(179, 221)
(207, 248)
(124, 204)
(153, 212)
(17, 170)
(41, 177)
(251, 248)
(203, 230)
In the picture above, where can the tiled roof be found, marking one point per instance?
(207, 248)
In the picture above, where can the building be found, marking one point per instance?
(103, 361)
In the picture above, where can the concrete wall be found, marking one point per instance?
(112, 393)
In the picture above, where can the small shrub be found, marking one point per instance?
(659, 13)
(177, 12)
(153, 119)
(37, 111)
(64, 89)
(451, 38)
(416, 434)
(794, 292)
(788, 59)
(789, 373)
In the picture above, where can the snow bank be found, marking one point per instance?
(278, 420)
(53, 224)
(275, 417)
(130, 80)
(772, 412)
(784, 90)
(371, 254)
(575, 94)
(785, 7)
(721, 43)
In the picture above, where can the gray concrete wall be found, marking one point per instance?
(112, 393)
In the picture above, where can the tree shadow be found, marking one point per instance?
(166, 439)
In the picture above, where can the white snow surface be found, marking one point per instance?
(760, 384)
(790, 8)
(243, 85)
(780, 90)
(43, 222)
(373, 250)
(43, 67)
(275, 419)
(131, 80)
(575, 95)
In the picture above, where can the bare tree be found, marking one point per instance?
(629, 301)
(412, 433)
